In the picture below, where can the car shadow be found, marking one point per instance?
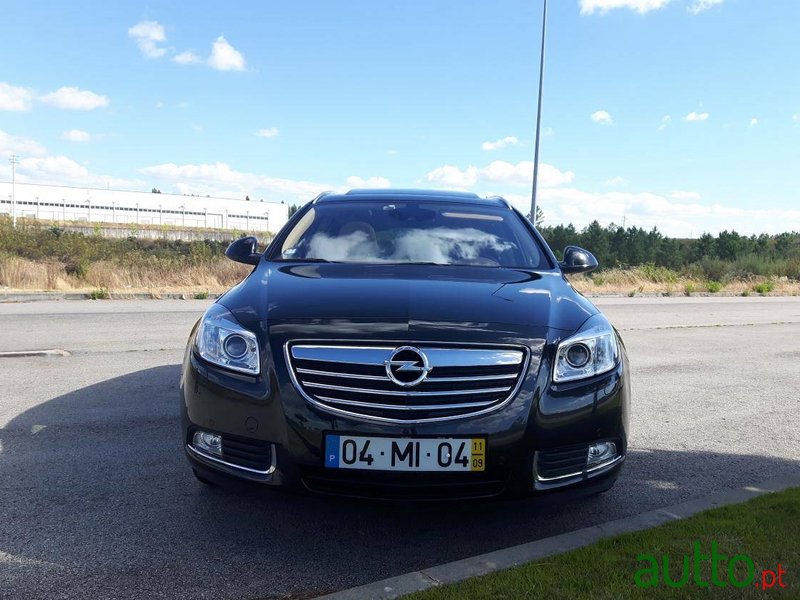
(96, 498)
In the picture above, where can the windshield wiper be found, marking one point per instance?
(307, 260)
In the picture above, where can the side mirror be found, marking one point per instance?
(577, 260)
(244, 250)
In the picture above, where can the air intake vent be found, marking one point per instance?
(406, 383)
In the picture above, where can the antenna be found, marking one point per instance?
(538, 117)
(14, 162)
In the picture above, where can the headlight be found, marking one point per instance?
(591, 351)
(222, 341)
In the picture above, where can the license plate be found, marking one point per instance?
(405, 454)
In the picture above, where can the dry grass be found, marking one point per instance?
(218, 275)
(631, 282)
(214, 277)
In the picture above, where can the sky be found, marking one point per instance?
(680, 114)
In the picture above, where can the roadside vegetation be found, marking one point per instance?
(36, 256)
(635, 261)
(764, 530)
(33, 257)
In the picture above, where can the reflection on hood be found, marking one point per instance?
(440, 245)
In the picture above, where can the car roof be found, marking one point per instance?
(411, 194)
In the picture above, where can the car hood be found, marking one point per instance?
(408, 294)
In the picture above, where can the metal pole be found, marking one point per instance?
(538, 117)
(13, 160)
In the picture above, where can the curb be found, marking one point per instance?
(29, 353)
(498, 560)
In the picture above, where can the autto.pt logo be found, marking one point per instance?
(706, 570)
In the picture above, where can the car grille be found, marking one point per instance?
(253, 454)
(562, 462)
(354, 380)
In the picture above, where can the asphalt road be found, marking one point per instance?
(97, 501)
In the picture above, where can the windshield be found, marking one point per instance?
(412, 232)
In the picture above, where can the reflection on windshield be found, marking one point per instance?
(443, 245)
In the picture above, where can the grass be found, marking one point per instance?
(714, 286)
(763, 288)
(766, 530)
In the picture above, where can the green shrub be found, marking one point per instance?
(689, 288)
(746, 293)
(763, 288)
(99, 294)
(201, 296)
(714, 286)
(598, 279)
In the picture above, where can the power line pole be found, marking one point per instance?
(538, 116)
(14, 162)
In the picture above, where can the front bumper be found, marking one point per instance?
(533, 444)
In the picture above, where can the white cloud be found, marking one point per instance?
(15, 98)
(220, 179)
(147, 35)
(391, 152)
(187, 58)
(753, 122)
(373, 182)
(603, 6)
(648, 210)
(796, 118)
(699, 6)
(150, 35)
(268, 132)
(695, 116)
(452, 176)
(73, 98)
(683, 195)
(614, 181)
(603, 117)
(37, 166)
(159, 104)
(11, 144)
(225, 57)
(665, 121)
(499, 171)
(509, 140)
(76, 135)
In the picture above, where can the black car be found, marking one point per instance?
(407, 344)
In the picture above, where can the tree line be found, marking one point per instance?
(616, 246)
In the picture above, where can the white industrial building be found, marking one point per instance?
(62, 203)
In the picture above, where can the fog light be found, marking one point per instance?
(210, 443)
(601, 452)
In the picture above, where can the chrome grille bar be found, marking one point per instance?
(406, 407)
(431, 379)
(342, 388)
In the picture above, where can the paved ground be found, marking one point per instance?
(85, 515)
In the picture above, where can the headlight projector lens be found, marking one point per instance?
(235, 346)
(578, 355)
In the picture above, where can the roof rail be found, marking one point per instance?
(321, 195)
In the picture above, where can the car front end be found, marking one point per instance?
(406, 380)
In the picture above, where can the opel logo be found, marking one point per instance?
(407, 366)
